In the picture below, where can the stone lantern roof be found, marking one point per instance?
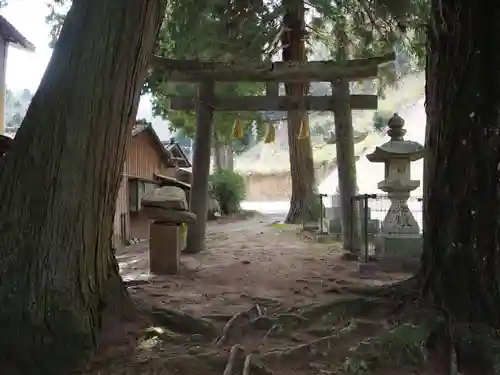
(397, 147)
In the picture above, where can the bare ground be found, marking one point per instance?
(265, 299)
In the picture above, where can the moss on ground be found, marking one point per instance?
(401, 346)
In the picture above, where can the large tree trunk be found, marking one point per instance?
(60, 182)
(218, 156)
(223, 156)
(460, 263)
(303, 198)
(346, 161)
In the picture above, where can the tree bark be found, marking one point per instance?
(461, 255)
(229, 157)
(302, 171)
(198, 200)
(60, 183)
(218, 156)
(346, 160)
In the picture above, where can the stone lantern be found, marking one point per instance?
(400, 235)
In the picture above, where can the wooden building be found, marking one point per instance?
(146, 157)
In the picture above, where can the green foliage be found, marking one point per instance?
(228, 187)
(320, 129)
(229, 30)
(380, 120)
(214, 30)
(55, 18)
(16, 105)
(249, 140)
(372, 29)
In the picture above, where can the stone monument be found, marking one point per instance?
(400, 234)
(168, 209)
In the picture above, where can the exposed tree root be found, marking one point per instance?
(404, 290)
(270, 331)
(284, 320)
(246, 365)
(258, 368)
(217, 317)
(182, 322)
(163, 334)
(324, 318)
(189, 364)
(352, 306)
(234, 354)
(252, 366)
(130, 283)
(215, 360)
(314, 347)
(239, 319)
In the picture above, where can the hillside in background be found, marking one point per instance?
(274, 159)
(16, 105)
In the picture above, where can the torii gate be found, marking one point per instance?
(272, 73)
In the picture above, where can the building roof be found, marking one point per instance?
(178, 153)
(10, 34)
(171, 152)
(142, 126)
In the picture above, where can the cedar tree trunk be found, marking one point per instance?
(229, 157)
(60, 182)
(300, 151)
(218, 156)
(461, 259)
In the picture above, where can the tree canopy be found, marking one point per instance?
(233, 30)
(210, 32)
(250, 30)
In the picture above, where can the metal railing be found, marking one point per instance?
(366, 219)
(368, 222)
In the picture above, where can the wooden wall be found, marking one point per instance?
(121, 227)
(142, 161)
(144, 158)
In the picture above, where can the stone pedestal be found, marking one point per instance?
(393, 246)
(165, 242)
(401, 233)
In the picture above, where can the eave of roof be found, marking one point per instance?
(10, 34)
(177, 147)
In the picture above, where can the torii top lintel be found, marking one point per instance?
(319, 71)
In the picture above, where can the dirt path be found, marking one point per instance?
(278, 282)
(248, 261)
